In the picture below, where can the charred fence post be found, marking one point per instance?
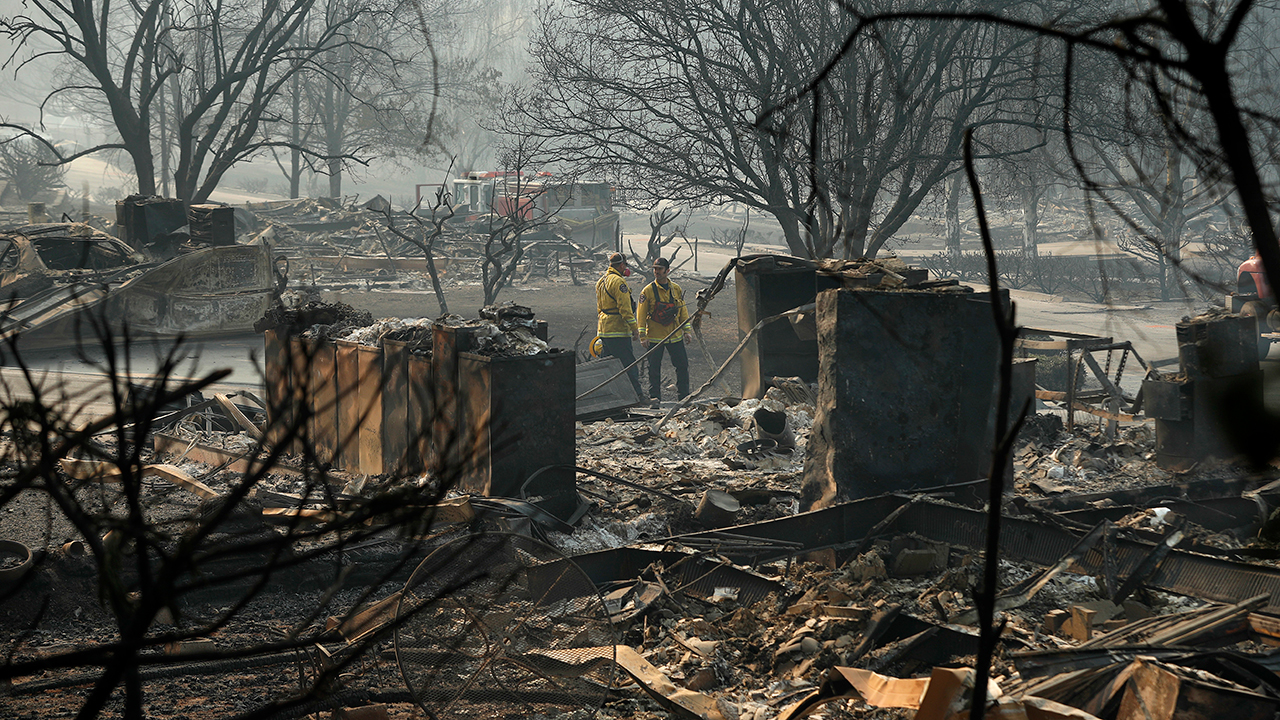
(906, 396)
(300, 384)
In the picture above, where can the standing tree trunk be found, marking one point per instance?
(793, 234)
(1173, 220)
(295, 154)
(952, 217)
(164, 143)
(1030, 197)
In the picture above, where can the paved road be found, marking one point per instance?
(80, 376)
(1149, 327)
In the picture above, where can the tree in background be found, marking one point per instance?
(515, 212)
(491, 57)
(199, 77)
(734, 100)
(1131, 159)
(29, 168)
(358, 104)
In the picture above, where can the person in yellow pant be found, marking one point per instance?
(616, 321)
(662, 310)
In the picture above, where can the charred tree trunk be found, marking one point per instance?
(952, 217)
(1030, 221)
(295, 154)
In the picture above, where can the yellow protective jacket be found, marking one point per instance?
(613, 304)
(651, 298)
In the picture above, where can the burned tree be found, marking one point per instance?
(30, 168)
(658, 220)
(424, 235)
(689, 105)
(353, 102)
(515, 211)
(201, 78)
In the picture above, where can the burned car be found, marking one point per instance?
(64, 280)
(34, 258)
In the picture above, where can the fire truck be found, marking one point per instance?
(581, 210)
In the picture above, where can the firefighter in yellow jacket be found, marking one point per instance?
(662, 310)
(616, 325)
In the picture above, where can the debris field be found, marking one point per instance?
(719, 557)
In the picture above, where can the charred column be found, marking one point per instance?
(447, 445)
(395, 409)
(517, 416)
(767, 286)
(347, 372)
(1214, 406)
(369, 395)
(771, 284)
(907, 387)
(323, 397)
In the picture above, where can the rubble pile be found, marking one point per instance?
(342, 246)
(313, 318)
(717, 430)
(502, 330)
(414, 332)
(505, 330)
(762, 626)
(1127, 590)
(755, 659)
(1051, 462)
